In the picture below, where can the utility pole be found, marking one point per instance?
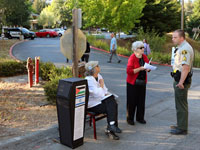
(182, 16)
(75, 40)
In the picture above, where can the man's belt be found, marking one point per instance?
(176, 74)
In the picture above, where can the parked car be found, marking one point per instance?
(16, 32)
(104, 29)
(59, 31)
(46, 33)
(27, 33)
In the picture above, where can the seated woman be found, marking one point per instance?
(100, 100)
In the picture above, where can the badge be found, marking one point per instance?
(184, 52)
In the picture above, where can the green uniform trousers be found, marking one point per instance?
(181, 104)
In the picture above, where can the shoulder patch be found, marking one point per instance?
(184, 52)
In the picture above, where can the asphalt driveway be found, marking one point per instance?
(160, 108)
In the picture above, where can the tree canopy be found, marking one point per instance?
(161, 15)
(196, 10)
(115, 15)
(194, 18)
(38, 5)
(47, 18)
(15, 12)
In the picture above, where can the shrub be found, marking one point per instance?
(155, 41)
(123, 51)
(45, 69)
(196, 59)
(91, 39)
(101, 44)
(100, 37)
(10, 67)
(51, 86)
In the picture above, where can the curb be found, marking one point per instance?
(156, 63)
(11, 49)
(107, 51)
(153, 62)
(17, 140)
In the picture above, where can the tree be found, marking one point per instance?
(194, 19)
(116, 15)
(55, 14)
(196, 10)
(38, 5)
(60, 11)
(188, 9)
(161, 15)
(47, 18)
(124, 14)
(16, 12)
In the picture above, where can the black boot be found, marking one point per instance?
(111, 135)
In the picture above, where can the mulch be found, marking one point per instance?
(23, 109)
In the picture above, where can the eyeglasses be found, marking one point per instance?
(140, 47)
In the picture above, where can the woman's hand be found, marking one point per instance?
(148, 70)
(138, 69)
(142, 68)
(101, 82)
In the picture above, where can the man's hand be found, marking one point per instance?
(184, 73)
(180, 85)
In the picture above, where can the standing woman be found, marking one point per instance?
(147, 49)
(136, 84)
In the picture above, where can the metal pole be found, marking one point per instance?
(75, 40)
(182, 16)
(37, 59)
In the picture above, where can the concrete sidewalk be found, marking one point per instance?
(160, 114)
(152, 136)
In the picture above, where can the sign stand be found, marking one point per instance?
(72, 98)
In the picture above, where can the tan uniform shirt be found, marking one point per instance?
(184, 55)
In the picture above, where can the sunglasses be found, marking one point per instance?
(140, 47)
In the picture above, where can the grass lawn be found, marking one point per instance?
(5, 48)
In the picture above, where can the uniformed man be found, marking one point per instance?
(182, 73)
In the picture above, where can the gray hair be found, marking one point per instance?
(136, 45)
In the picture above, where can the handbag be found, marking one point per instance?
(140, 82)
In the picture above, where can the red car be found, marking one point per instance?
(46, 33)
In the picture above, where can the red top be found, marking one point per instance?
(133, 63)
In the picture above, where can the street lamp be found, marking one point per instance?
(182, 16)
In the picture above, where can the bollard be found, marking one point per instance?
(30, 67)
(37, 60)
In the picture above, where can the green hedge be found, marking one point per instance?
(51, 86)
(45, 70)
(10, 67)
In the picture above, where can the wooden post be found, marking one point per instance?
(182, 16)
(75, 45)
(30, 70)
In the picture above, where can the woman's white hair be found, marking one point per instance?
(136, 45)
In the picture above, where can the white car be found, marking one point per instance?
(59, 31)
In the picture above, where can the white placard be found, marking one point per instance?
(79, 111)
(148, 66)
(79, 122)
